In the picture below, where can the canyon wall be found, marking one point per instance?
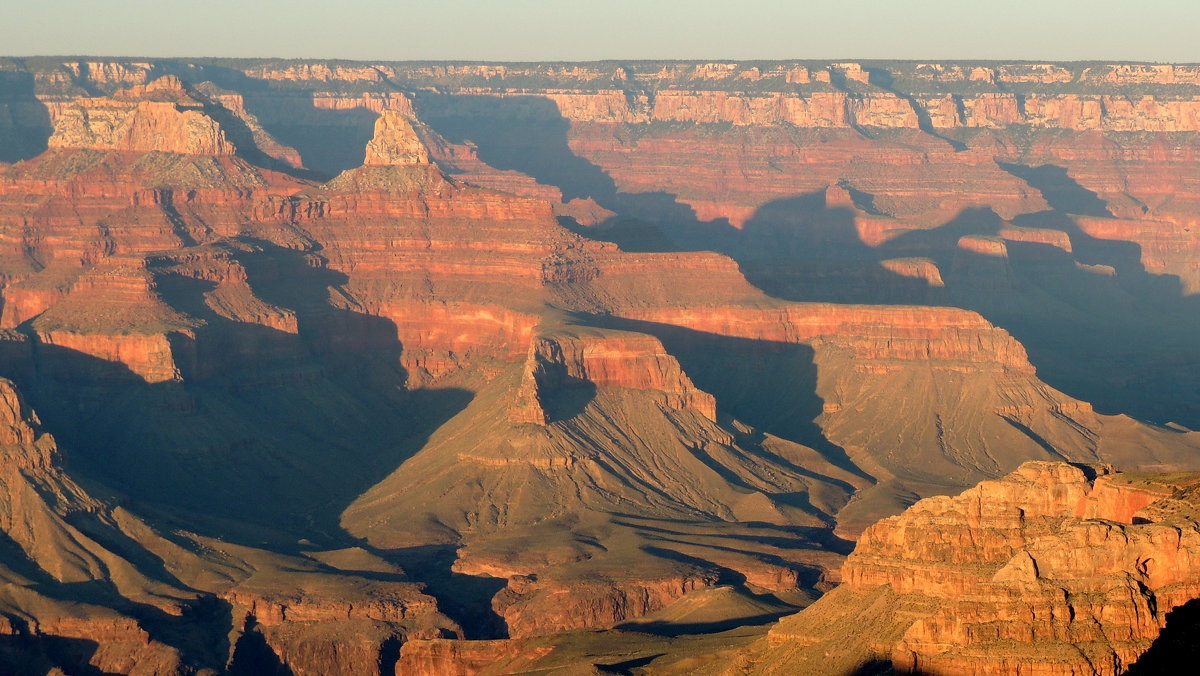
(1056, 568)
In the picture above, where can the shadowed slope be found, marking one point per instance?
(569, 496)
(90, 587)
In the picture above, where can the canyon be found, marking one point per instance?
(336, 367)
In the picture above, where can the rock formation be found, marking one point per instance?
(158, 117)
(633, 362)
(395, 143)
(1054, 569)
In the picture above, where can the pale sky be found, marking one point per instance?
(541, 30)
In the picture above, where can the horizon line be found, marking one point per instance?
(614, 60)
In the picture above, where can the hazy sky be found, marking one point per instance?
(1148, 30)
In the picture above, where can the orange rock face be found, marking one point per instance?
(463, 658)
(158, 117)
(1012, 512)
(528, 610)
(634, 362)
(395, 143)
(1050, 570)
(872, 332)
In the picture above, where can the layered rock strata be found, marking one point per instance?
(1054, 569)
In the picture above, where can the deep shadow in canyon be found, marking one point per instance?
(1178, 644)
(253, 656)
(466, 599)
(773, 390)
(28, 656)
(24, 120)
(1095, 322)
(882, 667)
(269, 435)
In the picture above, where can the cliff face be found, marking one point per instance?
(1014, 575)
(460, 658)
(832, 109)
(157, 117)
(527, 609)
(634, 362)
(825, 95)
(395, 142)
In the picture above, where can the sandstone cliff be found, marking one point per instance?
(160, 116)
(634, 362)
(1008, 578)
(395, 142)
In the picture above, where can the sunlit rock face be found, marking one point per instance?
(160, 116)
(1053, 569)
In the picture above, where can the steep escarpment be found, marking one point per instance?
(633, 362)
(1012, 575)
(462, 271)
(814, 208)
(157, 117)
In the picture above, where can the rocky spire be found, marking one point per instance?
(395, 143)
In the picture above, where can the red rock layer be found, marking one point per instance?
(1006, 579)
(870, 332)
(465, 658)
(527, 608)
(628, 361)
(460, 270)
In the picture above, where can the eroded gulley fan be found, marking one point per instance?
(566, 354)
